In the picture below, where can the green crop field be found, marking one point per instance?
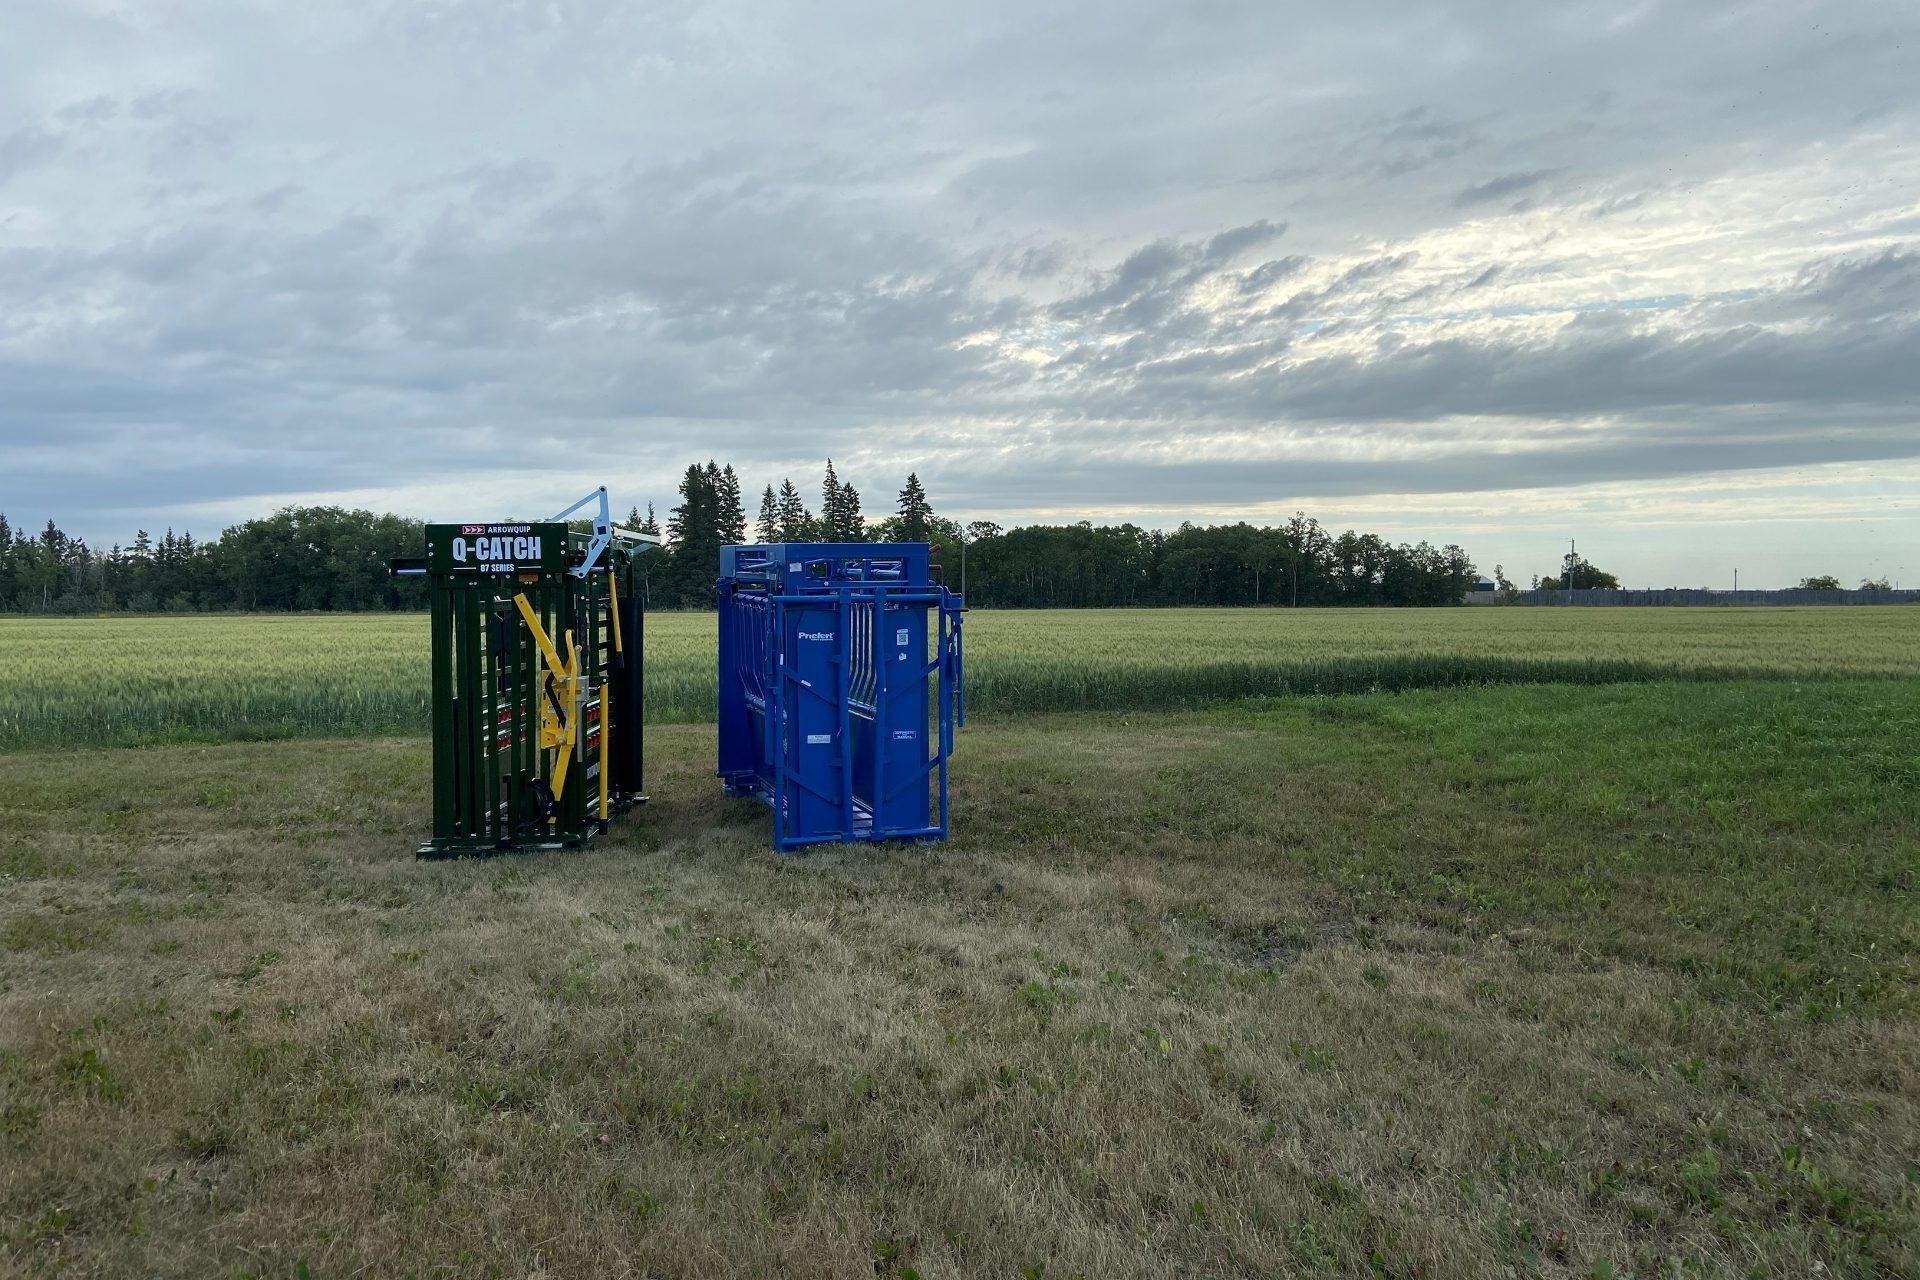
(130, 680)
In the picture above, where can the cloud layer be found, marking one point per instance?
(1100, 259)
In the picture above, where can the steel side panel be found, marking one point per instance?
(904, 720)
(815, 704)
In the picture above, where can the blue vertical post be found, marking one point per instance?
(777, 710)
(736, 740)
(843, 696)
(946, 714)
(881, 736)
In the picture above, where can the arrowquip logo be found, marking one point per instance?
(816, 635)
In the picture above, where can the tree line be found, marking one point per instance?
(1062, 566)
(334, 559)
(323, 558)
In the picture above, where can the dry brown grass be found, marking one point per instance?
(1160, 1009)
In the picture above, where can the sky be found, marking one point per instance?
(1646, 275)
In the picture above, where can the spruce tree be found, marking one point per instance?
(693, 529)
(840, 519)
(795, 520)
(830, 505)
(916, 514)
(686, 521)
(853, 527)
(730, 518)
(768, 525)
(650, 524)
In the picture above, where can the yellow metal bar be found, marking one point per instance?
(539, 634)
(571, 736)
(613, 607)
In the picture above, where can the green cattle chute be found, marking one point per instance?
(536, 655)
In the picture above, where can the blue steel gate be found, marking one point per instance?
(840, 687)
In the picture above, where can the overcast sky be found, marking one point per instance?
(1643, 274)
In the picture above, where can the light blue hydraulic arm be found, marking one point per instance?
(604, 532)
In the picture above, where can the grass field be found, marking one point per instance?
(1613, 976)
(131, 680)
(1520, 980)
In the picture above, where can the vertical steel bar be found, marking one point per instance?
(467, 736)
(490, 713)
(528, 656)
(882, 707)
(440, 632)
(638, 666)
(943, 691)
(843, 679)
(513, 789)
(603, 622)
(777, 709)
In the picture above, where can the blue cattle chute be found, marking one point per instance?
(840, 688)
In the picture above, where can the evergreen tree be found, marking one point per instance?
(730, 518)
(915, 514)
(768, 525)
(840, 519)
(852, 525)
(650, 524)
(830, 505)
(796, 522)
(691, 520)
(693, 532)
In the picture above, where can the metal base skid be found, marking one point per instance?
(481, 847)
(863, 830)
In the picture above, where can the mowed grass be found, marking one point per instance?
(131, 680)
(1503, 981)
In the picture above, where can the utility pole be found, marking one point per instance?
(1573, 559)
(1736, 581)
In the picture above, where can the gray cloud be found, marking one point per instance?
(25, 147)
(1507, 184)
(1194, 259)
